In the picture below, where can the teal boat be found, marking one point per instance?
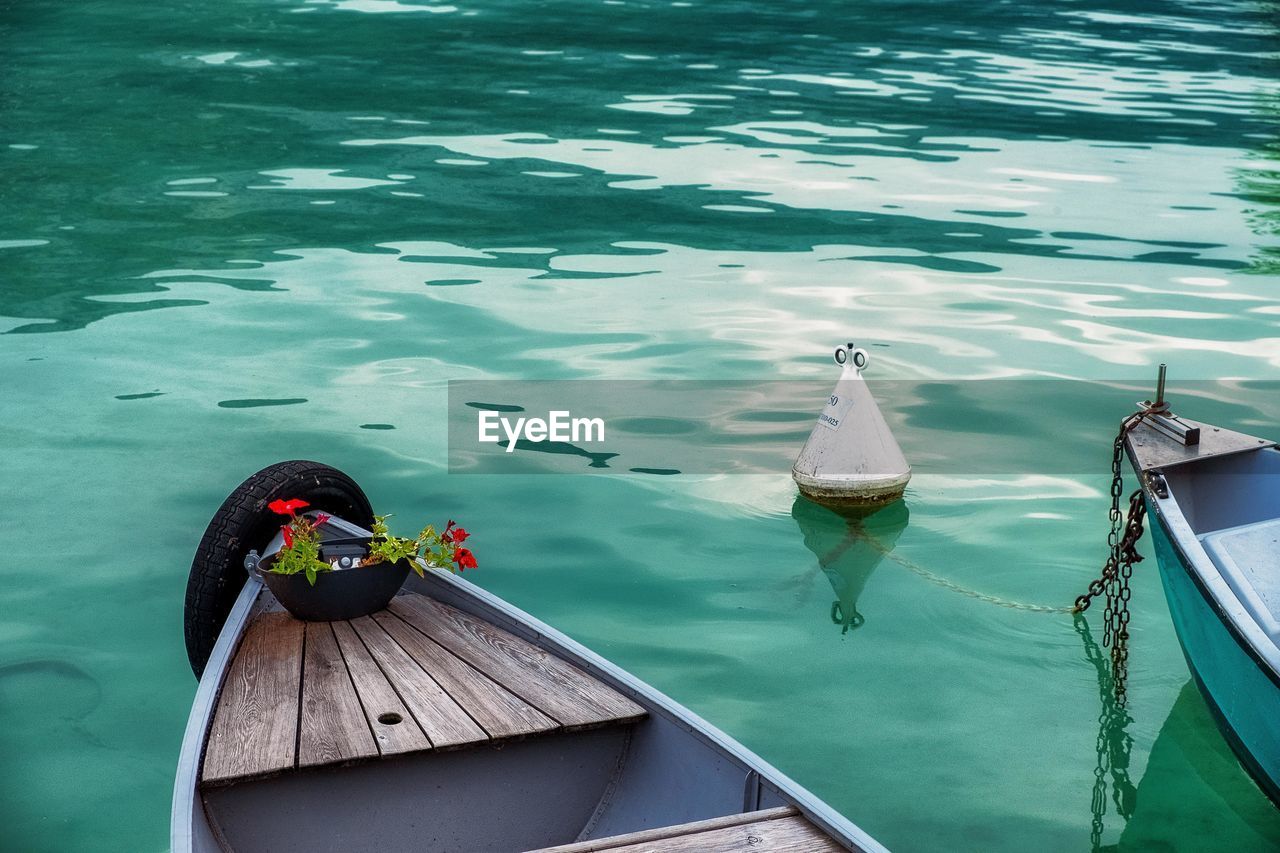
(1213, 497)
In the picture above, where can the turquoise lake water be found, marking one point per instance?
(234, 233)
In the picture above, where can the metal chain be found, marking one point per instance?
(1122, 540)
(1120, 610)
(933, 577)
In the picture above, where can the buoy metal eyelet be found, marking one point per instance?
(850, 352)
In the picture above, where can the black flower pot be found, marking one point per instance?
(340, 594)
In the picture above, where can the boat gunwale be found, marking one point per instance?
(187, 812)
(840, 828)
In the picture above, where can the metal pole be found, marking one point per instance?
(1160, 388)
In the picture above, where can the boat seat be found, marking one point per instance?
(1249, 558)
(419, 676)
(780, 830)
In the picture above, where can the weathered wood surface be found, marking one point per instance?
(332, 728)
(378, 699)
(501, 713)
(553, 686)
(255, 725)
(779, 830)
(421, 676)
(661, 832)
(443, 720)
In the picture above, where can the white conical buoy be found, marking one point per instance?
(851, 458)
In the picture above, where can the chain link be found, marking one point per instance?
(1113, 583)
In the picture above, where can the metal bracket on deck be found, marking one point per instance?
(1164, 421)
(1162, 439)
(1175, 428)
(1151, 448)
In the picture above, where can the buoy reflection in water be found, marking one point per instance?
(849, 546)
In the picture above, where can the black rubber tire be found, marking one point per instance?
(242, 523)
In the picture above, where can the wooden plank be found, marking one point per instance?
(553, 686)
(501, 713)
(255, 726)
(658, 833)
(441, 719)
(793, 834)
(393, 727)
(788, 835)
(332, 727)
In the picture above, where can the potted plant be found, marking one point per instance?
(319, 575)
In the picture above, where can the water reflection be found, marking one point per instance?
(1257, 183)
(1191, 774)
(849, 548)
(1020, 141)
(1114, 744)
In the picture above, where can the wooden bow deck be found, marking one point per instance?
(416, 677)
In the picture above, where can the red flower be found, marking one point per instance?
(457, 536)
(288, 536)
(289, 507)
(464, 558)
(321, 518)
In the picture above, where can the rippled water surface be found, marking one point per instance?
(238, 232)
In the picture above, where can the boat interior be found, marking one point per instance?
(1232, 504)
(368, 734)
